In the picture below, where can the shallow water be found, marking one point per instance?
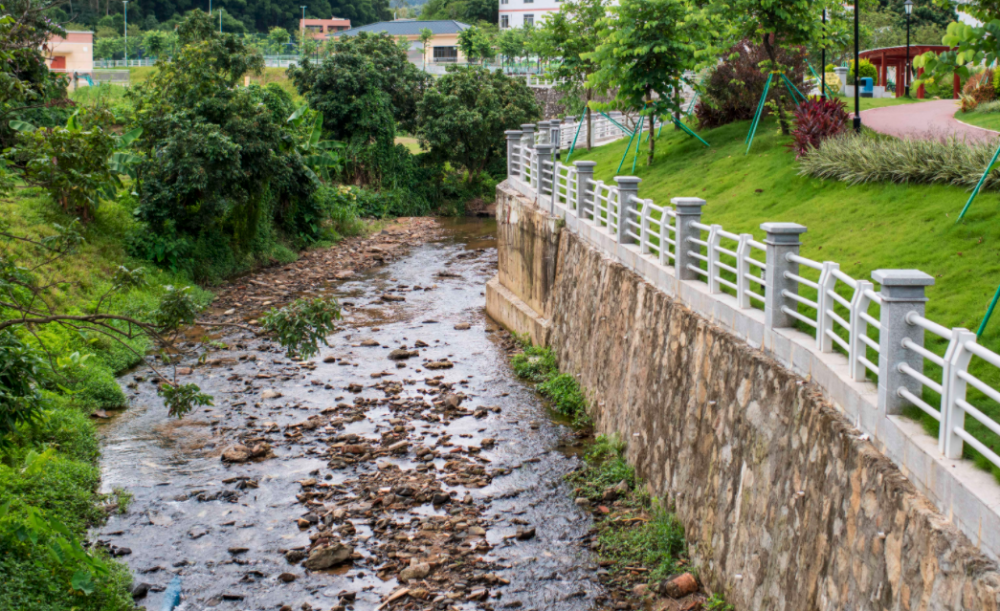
(178, 524)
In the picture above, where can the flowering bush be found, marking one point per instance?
(815, 120)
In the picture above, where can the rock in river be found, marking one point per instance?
(328, 556)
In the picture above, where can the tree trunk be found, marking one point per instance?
(652, 128)
(590, 123)
(782, 120)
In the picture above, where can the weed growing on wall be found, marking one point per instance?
(538, 365)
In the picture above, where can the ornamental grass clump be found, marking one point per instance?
(816, 120)
(865, 158)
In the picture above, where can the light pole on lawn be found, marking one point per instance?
(908, 5)
(302, 33)
(125, 2)
(857, 69)
(822, 86)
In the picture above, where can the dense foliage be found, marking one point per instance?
(463, 117)
(816, 120)
(733, 89)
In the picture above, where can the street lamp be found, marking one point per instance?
(125, 2)
(908, 5)
(857, 69)
(822, 86)
(302, 33)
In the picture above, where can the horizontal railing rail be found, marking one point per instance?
(882, 333)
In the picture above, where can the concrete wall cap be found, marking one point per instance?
(902, 277)
(527, 127)
(585, 166)
(628, 181)
(512, 133)
(783, 228)
(687, 201)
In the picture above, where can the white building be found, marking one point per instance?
(521, 13)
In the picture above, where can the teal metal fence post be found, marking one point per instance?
(760, 111)
(989, 312)
(979, 186)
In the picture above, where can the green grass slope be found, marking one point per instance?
(862, 227)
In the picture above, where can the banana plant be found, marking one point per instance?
(321, 157)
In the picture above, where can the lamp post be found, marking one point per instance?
(908, 5)
(857, 69)
(302, 33)
(125, 2)
(209, 7)
(822, 86)
(220, 21)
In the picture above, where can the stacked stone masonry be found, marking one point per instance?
(785, 504)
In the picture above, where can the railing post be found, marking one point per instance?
(584, 174)
(555, 131)
(644, 230)
(527, 142)
(664, 237)
(544, 153)
(824, 322)
(688, 211)
(902, 293)
(952, 415)
(782, 240)
(628, 194)
(743, 270)
(858, 348)
(513, 139)
(714, 241)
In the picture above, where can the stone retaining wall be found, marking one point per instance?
(786, 505)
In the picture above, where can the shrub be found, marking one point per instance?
(989, 107)
(868, 69)
(733, 90)
(969, 103)
(980, 87)
(830, 68)
(817, 119)
(866, 158)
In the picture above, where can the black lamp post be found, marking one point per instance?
(857, 69)
(908, 5)
(822, 87)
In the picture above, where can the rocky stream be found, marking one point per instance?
(404, 467)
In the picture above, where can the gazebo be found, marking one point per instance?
(895, 57)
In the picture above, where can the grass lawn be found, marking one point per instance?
(989, 120)
(271, 75)
(864, 227)
(411, 144)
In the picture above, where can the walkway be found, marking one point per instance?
(925, 121)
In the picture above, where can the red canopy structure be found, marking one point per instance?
(895, 57)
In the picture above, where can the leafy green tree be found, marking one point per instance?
(649, 46)
(426, 34)
(510, 44)
(155, 42)
(573, 34)
(776, 23)
(25, 82)
(279, 36)
(363, 88)
(974, 46)
(469, 11)
(71, 163)
(462, 118)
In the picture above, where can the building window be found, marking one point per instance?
(504, 22)
(504, 1)
(529, 1)
(445, 55)
(529, 21)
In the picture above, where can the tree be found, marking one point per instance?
(573, 34)
(462, 118)
(25, 82)
(649, 46)
(155, 42)
(362, 89)
(279, 36)
(777, 23)
(510, 44)
(476, 44)
(425, 37)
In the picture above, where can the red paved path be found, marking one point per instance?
(924, 121)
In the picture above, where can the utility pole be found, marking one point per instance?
(125, 2)
(220, 21)
(302, 34)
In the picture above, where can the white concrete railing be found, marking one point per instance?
(833, 309)
(564, 131)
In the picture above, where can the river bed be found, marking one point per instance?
(473, 488)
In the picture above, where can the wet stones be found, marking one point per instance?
(287, 577)
(443, 364)
(328, 556)
(294, 556)
(240, 453)
(419, 570)
(400, 354)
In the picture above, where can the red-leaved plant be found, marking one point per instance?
(815, 120)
